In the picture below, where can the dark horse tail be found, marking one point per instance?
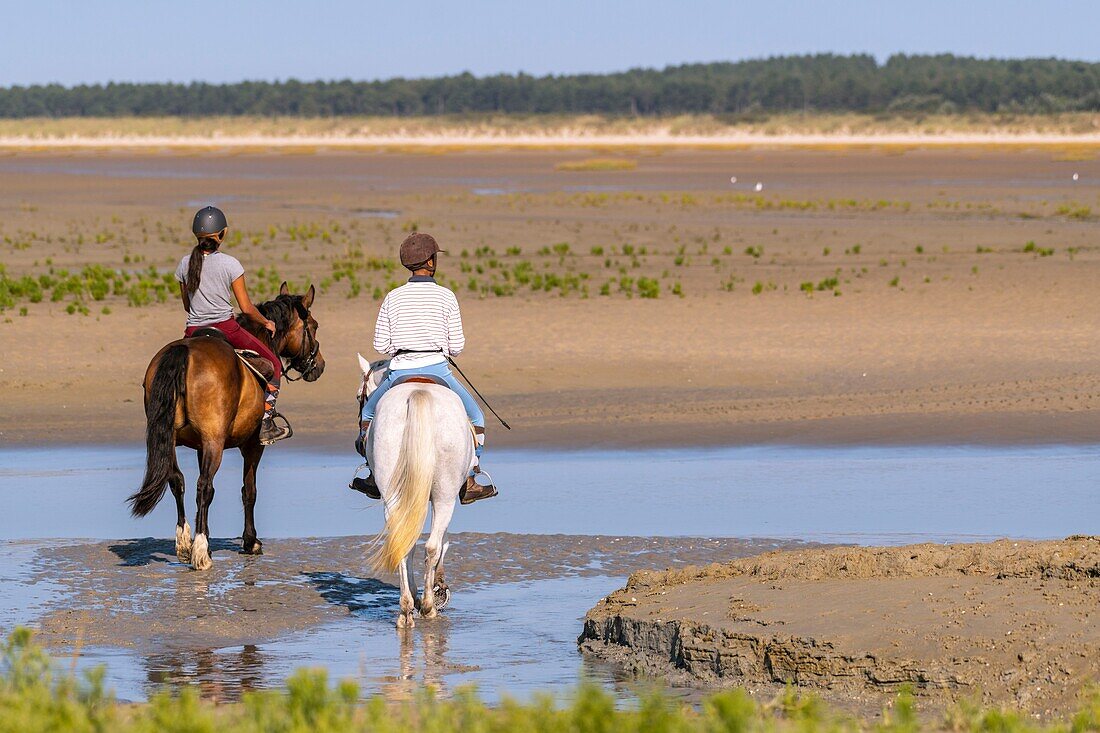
(160, 440)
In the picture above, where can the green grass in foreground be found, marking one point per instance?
(36, 696)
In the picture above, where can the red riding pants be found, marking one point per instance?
(242, 339)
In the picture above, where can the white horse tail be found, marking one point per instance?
(410, 487)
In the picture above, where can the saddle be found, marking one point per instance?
(258, 365)
(421, 379)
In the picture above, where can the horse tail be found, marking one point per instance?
(160, 428)
(411, 485)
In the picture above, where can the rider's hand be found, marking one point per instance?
(270, 326)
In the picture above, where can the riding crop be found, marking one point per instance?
(480, 396)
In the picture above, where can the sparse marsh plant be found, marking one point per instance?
(649, 287)
(1032, 248)
(1076, 211)
(597, 164)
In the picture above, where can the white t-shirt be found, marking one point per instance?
(211, 302)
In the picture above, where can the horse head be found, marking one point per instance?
(373, 372)
(296, 332)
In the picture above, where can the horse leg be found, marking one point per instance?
(408, 604)
(433, 553)
(210, 459)
(252, 452)
(440, 588)
(183, 529)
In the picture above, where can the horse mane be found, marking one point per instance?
(282, 310)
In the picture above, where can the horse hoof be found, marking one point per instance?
(431, 613)
(405, 621)
(442, 597)
(183, 543)
(257, 548)
(200, 554)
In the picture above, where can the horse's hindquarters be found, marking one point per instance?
(420, 450)
(224, 401)
(452, 437)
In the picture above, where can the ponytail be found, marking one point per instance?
(194, 266)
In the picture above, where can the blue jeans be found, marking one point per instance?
(442, 371)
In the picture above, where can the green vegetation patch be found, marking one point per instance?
(91, 283)
(35, 695)
(598, 164)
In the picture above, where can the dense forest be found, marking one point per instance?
(826, 83)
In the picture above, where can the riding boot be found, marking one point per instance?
(473, 491)
(271, 431)
(366, 485)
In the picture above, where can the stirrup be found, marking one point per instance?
(488, 490)
(285, 428)
(365, 485)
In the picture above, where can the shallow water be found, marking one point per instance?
(510, 628)
(857, 494)
(581, 521)
(512, 639)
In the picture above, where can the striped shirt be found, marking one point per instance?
(419, 316)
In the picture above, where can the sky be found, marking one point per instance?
(74, 42)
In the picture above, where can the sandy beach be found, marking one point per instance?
(861, 296)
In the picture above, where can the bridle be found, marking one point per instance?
(303, 362)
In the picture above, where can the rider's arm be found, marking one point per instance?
(383, 339)
(456, 339)
(240, 292)
(185, 298)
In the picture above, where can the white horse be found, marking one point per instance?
(420, 448)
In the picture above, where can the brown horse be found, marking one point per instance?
(198, 393)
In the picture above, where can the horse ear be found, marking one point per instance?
(364, 365)
(307, 299)
(283, 289)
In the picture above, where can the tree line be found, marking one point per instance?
(823, 82)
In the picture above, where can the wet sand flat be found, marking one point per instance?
(1010, 622)
(947, 327)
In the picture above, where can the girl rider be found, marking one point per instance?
(207, 279)
(418, 327)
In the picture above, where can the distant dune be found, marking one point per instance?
(311, 134)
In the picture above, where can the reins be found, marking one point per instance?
(301, 362)
(310, 361)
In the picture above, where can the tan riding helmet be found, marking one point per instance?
(417, 249)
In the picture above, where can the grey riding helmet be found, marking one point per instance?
(209, 222)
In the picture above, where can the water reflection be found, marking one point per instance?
(429, 667)
(220, 675)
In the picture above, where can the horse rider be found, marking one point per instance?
(419, 325)
(208, 278)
